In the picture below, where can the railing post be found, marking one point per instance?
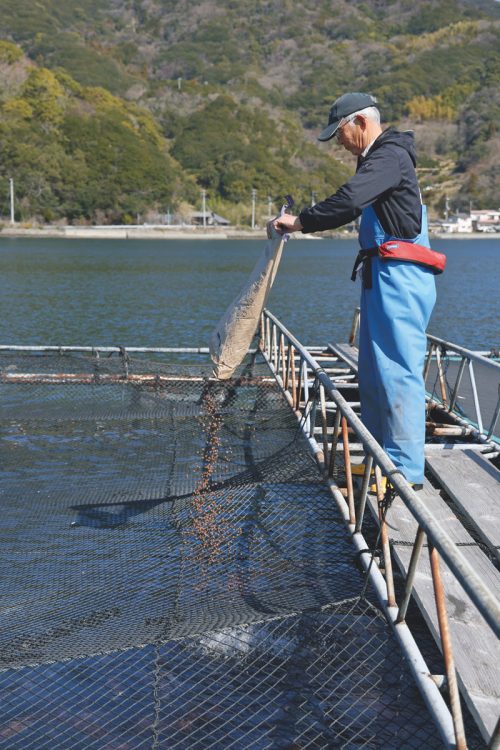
(348, 472)
(313, 409)
(384, 540)
(364, 493)
(335, 437)
(494, 419)
(442, 381)
(475, 397)
(281, 360)
(305, 388)
(288, 362)
(324, 422)
(458, 380)
(428, 361)
(412, 569)
(299, 383)
(294, 379)
(354, 327)
(444, 630)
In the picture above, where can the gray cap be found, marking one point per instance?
(342, 107)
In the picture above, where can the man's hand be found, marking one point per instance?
(284, 224)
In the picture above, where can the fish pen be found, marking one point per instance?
(185, 566)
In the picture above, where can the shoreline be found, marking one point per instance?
(161, 232)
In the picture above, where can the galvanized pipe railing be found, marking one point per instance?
(448, 396)
(486, 603)
(107, 349)
(438, 348)
(312, 374)
(467, 358)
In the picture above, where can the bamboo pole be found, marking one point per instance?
(348, 471)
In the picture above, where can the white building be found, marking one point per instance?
(487, 220)
(457, 223)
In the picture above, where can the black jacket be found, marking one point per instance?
(386, 179)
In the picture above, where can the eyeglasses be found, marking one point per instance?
(342, 123)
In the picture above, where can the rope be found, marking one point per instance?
(384, 506)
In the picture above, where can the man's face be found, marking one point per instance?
(351, 136)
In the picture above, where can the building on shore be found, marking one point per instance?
(209, 219)
(487, 220)
(459, 223)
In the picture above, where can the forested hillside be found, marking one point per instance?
(116, 108)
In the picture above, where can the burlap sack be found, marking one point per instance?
(233, 334)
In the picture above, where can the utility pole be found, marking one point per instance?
(204, 207)
(313, 198)
(254, 196)
(11, 183)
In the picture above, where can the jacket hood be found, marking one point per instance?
(404, 139)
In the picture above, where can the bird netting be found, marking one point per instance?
(175, 572)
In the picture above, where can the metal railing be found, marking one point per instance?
(309, 389)
(449, 392)
(438, 352)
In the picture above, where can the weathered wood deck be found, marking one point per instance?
(474, 484)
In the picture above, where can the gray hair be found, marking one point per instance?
(371, 112)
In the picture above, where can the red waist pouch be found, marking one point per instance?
(409, 251)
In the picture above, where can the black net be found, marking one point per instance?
(175, 572)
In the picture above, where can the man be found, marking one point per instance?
(397, 296)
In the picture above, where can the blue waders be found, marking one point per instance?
(392, 344)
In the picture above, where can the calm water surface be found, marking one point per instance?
(172, 293)
(137, 565)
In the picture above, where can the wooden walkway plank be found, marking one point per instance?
(347, 353)
(475, 490)
(475, 647)
(474, 484)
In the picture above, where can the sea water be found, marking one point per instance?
(172, 292)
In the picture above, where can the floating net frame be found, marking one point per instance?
(178, 576)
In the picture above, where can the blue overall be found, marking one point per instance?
(392, 344)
